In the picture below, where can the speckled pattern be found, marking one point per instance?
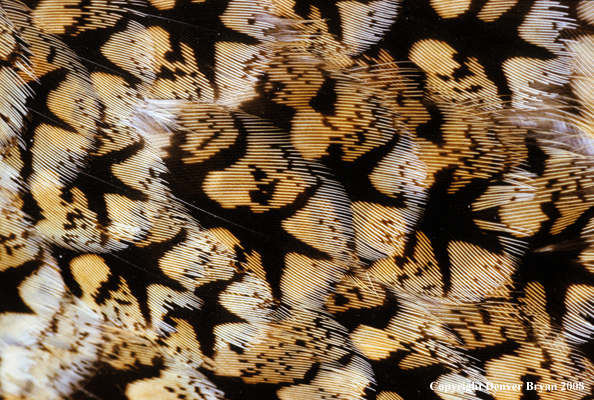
(297, 199)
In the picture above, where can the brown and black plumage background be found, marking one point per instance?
(296, 199)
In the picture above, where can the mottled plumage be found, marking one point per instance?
(297, 199)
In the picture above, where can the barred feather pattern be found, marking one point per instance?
(297, 199)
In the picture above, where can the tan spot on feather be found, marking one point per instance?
(137, 172)
(210, 129)
(122, 308)
(129, 350)
(450, 8)
(530, 79)
(579, 301)
(365, 24)
(357, 292)
(375, 344)
(524, 215)
(534, 304)
(420, 273)
(170, 385)
(60, 225)
(226, 237)
(381, 228)
(481, 326)
(388, 396)
(234, 186)
(193, 85)
(254, 264)
(74, 101)
(251, 17)
(112, 90)
(571, 208)
(18, 242)
(236, 77)
(322, 225)
(163, 4)
(587, 255)
(512, 369)
(8, 44)
(182, 343)
(160, 299)
(310, 136)
(582, 79)
(543, 24)
(333, 381)
(54, 16)
(477, 273)
(585, 11)
(182, 263)
(436, 58)
(495, 9)
(90, 272)
(128, 222)
(307, 281)
(130, 50)
(401, 172)
(55, 146)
